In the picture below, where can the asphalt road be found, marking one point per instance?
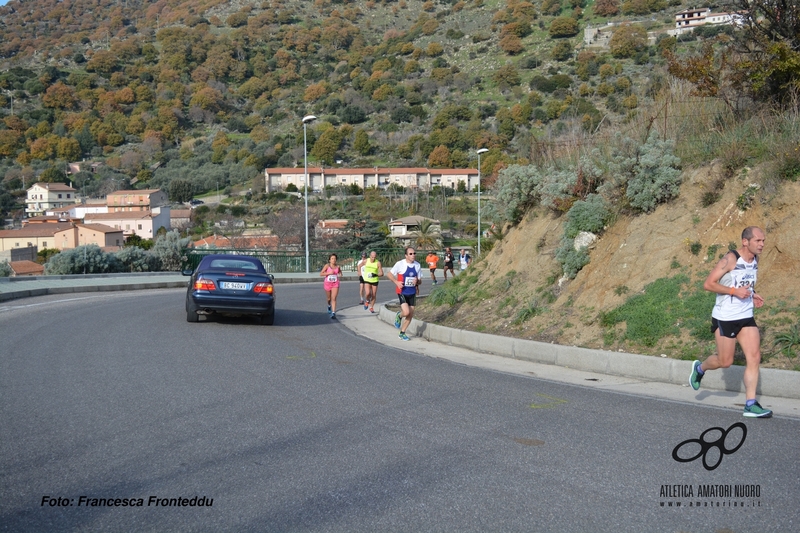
(304, 426)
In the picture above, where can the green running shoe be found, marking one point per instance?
(397, 320)
(695, 377)
(756, 411)
(404, 337)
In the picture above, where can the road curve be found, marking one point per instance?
(113, 399)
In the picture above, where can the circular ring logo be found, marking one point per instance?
(706, 446)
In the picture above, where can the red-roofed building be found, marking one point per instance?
(136, 200)
(100, 234)
(330, 228)
(26, 268)
(145, 224)
(40, 236)
(412, 178)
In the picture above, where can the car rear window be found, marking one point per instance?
(237, 264)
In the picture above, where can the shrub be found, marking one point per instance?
(563, 27)
(89, 259)
(5, 269)
(135, 259)
(570, 259)
(591, 214)
(169, 249)
(516, 190)
(649, 174)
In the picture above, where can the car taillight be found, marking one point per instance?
(264, 288)
(204, 285)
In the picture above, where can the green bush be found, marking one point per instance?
(591, 214)
(649, 174)
(516, 191)
(570, 259)
(88, 259)
(563, 27)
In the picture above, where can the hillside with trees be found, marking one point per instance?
(213, 92)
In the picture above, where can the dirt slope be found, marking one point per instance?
(632, 253)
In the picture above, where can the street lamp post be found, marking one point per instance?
(306, 120)
(479, 152)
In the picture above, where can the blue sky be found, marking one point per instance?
(3, 2)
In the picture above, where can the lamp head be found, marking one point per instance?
(308, 118)
(481, 151)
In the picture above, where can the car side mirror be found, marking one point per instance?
(271, 277)
(187, 272)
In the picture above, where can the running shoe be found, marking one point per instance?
(397, 320)
(695, 377)
(329, 309)
(371, 309)
(366, 305)
(404, 337)
(333, 316)
(756, 411)
(361, 302)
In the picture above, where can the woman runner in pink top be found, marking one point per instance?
(331, 274)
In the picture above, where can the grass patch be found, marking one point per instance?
(667, 306)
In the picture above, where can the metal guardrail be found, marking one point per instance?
(281, 261)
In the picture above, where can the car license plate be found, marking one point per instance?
(235, 286)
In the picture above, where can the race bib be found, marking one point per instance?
(410, 282)
(332, 278)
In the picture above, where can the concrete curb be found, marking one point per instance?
(772, 382)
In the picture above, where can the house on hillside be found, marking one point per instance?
(406, 230)
(40, 236)
(145, 224)
(330, 228)
(43, 196)
(136, 200)
(380, 178)
(100, 234)
(85, 166)
(76, 211)
(689, 19)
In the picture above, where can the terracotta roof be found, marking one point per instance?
(180, 213)
(333, 224)
(36, 230)
(22, 268)
(100, 227)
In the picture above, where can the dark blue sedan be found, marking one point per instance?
(231, 285)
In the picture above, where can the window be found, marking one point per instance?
(59, 196)
(140, 226)
(127, 227)
(44, 244)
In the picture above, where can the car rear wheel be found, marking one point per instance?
(268, 319)
(192, 316)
